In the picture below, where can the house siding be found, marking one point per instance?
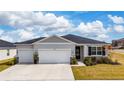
(56, 46)
(54, 39)
(24, 47)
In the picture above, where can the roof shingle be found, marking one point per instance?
(81, 40)
(6, 44)
(73, 38)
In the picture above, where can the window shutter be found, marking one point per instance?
(103, 51)
(89, 51)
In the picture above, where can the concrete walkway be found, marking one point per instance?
(79, 64)
(38, 72)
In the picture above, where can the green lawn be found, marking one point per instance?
(117, 56)
(3, 67)
(99, 72)
(4, 64)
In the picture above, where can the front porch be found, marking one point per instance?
(82, 51)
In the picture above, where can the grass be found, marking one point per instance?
(117, 56)
(102, 71)
(99, 72)
(10, 61)
(3, 67)
(4, 64)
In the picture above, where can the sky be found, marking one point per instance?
(99, 25)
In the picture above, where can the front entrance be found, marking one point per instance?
(77, 52)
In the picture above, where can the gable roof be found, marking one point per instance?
(73, 38)
(6, 44)
(55, 39)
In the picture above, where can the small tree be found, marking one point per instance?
(36, 58)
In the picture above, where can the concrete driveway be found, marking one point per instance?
(38, 72)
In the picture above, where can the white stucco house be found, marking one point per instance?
(7, 50)
(59, 49)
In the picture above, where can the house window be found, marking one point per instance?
(96, 51)
(8, 52)
(93, 50)
(99, 50)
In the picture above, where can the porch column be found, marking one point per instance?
(85, 50)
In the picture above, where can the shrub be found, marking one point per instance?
(73, 61)
(89, 61)
(35, 58)
(103, 60)
(99, 60)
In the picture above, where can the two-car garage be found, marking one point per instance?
(46, 56)
(54, 56)
(53, 49)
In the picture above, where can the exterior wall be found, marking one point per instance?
(3, 54)
(55, 46)
(24, 47)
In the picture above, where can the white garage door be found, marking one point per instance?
(54, 56)
(25, 56)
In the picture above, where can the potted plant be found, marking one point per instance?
(36, 58)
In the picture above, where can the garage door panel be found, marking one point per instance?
(54, 56)
(25, 56)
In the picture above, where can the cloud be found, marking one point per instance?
(1, 32)
(61, 25)
(18, 35)
(28, 25)
(102, 37)
(119, 28)
(22, 20)
(93, 29)
(116, 19)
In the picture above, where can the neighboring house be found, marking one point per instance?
(118, 43)
(59, 49)
(7, 50)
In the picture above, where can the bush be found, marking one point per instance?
(73, 61)
(89, 61)
(35, 58)
(104, 60)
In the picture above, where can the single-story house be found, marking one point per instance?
(7, 50)
(59, 49)
(118, 44)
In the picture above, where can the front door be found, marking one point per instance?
(77, 52)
